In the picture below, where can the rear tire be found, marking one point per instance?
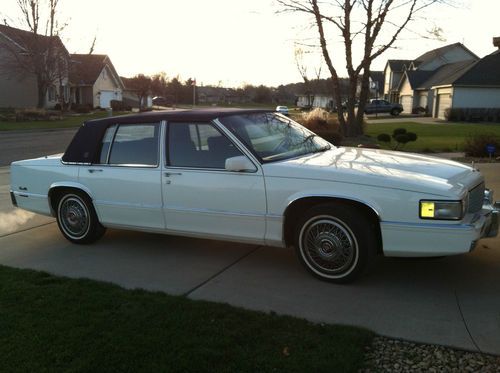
(334, 242)
(77, 219)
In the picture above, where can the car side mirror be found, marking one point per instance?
(240, 164)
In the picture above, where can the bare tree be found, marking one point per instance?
(368, 26)
(141, 84)
(36, 53)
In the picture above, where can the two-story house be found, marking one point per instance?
(410, 82)
(33, 69)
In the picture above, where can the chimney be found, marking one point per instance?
(496, 42)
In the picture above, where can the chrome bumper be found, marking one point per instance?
(492, 210)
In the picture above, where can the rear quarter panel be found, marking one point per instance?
(31, 181)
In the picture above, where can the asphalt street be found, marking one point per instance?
(453, 301)
(15, 145)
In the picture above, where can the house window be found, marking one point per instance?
(104, 74)
(52, 93)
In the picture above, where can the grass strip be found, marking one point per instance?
(442, 137)
(51, 324)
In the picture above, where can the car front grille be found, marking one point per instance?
(476, 197)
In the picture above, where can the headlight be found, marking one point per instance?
(441, 210)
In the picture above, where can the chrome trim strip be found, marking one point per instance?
(215, 212)
(209, 236)
(126, 204)
(27, 195)
(428, 225)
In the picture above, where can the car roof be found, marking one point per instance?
(196, 115)
(85, 146)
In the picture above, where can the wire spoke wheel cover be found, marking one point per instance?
(74, 216)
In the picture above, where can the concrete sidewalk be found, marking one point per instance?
(452, 301)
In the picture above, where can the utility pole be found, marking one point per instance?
(194, 92)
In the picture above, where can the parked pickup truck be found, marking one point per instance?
(258, 177)
(383, 106)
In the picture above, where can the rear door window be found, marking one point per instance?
(132, 145)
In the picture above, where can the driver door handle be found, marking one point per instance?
(168, 174)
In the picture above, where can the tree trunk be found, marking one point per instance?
(363, 98)
(42, 93)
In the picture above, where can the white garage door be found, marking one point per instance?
(422, 102)
(407, 102)
(443, 102)
(106, 97)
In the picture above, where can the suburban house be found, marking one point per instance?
(316, 101)
(94, 80)
(409, 82)
(19, 84)
(476, 86)
(327, 101)
(393, 73)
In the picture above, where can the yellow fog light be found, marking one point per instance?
(427, 210)
(441, 210)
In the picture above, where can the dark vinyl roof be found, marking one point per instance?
(85, 146)
(86, 68)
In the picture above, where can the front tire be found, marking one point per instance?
(334, 243)
(77, 219)
(395, 112)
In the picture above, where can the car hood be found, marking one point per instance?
(381, 168)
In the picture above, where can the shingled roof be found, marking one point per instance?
(417, 77)
(485, 72)
(397, 65)
(86, 68)
(430, 55)
(26, 39)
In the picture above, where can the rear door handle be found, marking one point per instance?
(92, 170)
(168, 174)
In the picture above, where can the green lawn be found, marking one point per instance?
(50, 324)
(443, 137)
(67, 122)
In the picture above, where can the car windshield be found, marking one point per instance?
(274, 137)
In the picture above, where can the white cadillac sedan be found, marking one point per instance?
(256, 176)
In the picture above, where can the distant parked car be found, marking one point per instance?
(161, 101)
(282, 109)
(383, 106)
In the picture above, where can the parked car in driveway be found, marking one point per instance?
(282, 109)
(256, 176)
(383, 106)
(161, 101)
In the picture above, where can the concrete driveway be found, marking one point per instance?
(452, 301)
